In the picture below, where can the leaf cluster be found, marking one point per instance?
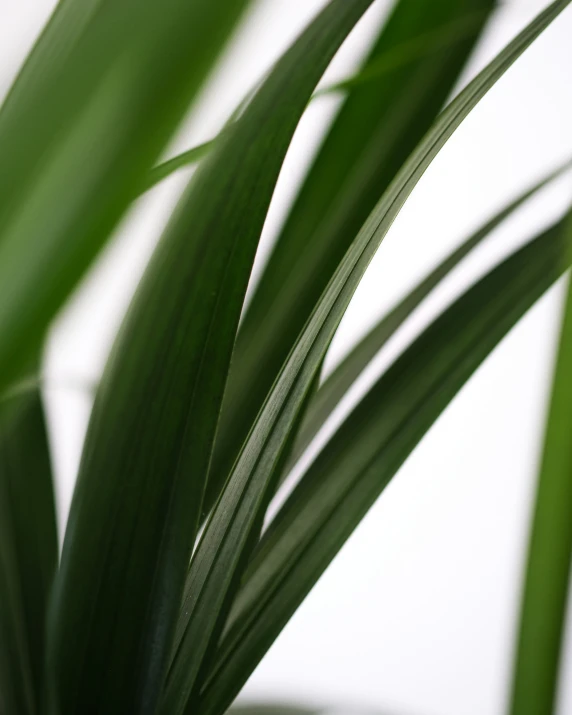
(170, 588)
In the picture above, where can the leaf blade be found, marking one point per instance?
(103, 91)
(379, 125)
(227, 537)
(340, 380)
(136, 507)
(365, 453)
(28, 550)
(547, 574)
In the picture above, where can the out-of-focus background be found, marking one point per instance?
(417, 613)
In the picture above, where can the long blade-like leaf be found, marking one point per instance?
(341, 379)
(28, 550)
(228, 535)
(91, 111)
(547, 580)
(134, 515)
(377, 128)
(365, 453)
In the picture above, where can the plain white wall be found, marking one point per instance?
(416, 615)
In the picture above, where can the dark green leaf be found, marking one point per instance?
(420, 46)
(377, 128)
(341, 379)
(94, 106)
(365, 453)
(134, 516)
(547, 581)
(232, 526)
(28, 550)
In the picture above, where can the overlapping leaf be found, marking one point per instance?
(365, 453)
(91, 111)
(224, 547)
(338, 383)
(28, 550)
(187, 158)
(134, 516)
(377, 128)
(421, 47)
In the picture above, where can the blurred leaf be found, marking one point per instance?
(198, 152)
(28, 550)
(231, 529)
(187, 158)
(366, 451)
(375, 131)
(547, 581)
(420, 47)
(101, 94)
(134, 516)
(272, 709)
(277, 708)
(342, 378)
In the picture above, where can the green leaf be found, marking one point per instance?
(101, 94)
(232, 526)
(135, 511)
(421, 46)
(198, 152)
(28, 550)
(366, 451)
(387, 61)
(272, 709)
(187, 158)
(341, 379)
(547, 580)
(376, 130)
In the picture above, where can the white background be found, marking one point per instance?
(417, 613)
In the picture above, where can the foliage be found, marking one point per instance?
(168, 591)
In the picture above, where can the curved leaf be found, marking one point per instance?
(366, 451)
(377, 128)
(134, 515)
(100, 96)
(231, 529)
(187, 158)
(402, 54)
(547, 581)
(341, 379)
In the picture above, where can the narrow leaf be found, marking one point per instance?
(135, 511)
(28, 550)
(377, 128)
(364, 454)
(341, 379)
(229, 533)
(420, 47)
(187, 158)
(547, 581)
